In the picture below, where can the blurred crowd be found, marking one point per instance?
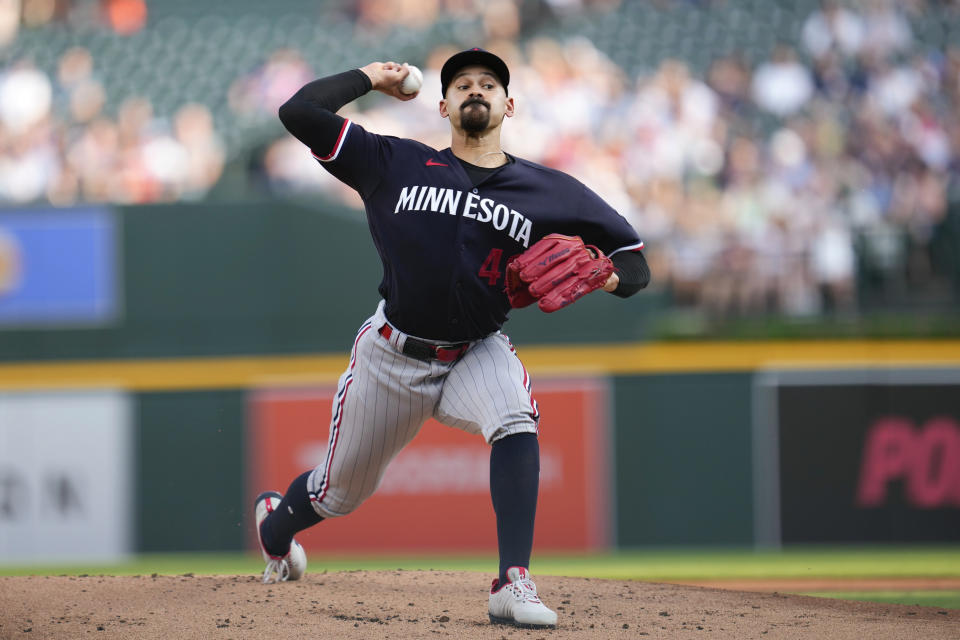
(58, 142)
(764, 187)
(756, 189)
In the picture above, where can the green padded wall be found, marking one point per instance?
(683, 459)
(190, 483)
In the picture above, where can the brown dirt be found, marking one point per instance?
(429, 604)
(807, 585)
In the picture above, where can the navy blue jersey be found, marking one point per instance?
(444, 242)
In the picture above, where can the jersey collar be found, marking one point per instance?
(455, 164)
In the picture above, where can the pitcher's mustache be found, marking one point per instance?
(475, 101)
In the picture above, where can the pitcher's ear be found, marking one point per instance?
(443, 109)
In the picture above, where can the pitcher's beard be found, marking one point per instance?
(475, 120)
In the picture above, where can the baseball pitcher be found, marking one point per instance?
(465, 234)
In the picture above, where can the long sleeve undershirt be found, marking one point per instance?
(633, 270)
(311, 114)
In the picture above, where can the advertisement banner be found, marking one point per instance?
(869, 457)
(65, 477)
(58, 268)
(435, 495)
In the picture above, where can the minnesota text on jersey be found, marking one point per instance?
(443, 200)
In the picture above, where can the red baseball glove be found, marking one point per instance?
(556, 271)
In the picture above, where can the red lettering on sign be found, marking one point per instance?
(933, 477)
(927, 459)
(886, 457)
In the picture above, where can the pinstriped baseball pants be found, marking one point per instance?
(384, 397)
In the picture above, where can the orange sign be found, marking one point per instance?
(435, 495)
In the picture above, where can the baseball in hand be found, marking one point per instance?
(413, 81)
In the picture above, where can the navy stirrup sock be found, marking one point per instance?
(295, 513)
(514, 483)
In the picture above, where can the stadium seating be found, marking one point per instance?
(218, 54)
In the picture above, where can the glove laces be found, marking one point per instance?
(278, 570)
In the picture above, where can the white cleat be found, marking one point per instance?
(279, 568)
(517, 602)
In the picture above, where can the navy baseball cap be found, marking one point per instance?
(470, 57)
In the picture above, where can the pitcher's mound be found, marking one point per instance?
(428, 604)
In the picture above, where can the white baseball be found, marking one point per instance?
(413, 81)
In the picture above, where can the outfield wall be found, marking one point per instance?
(219, 279)
(189, 315)
(694, 458)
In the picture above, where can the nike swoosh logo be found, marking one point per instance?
(433, 163)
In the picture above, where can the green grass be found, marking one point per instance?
(652, 565)
(647, 564)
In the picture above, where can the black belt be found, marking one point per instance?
(422, 350)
